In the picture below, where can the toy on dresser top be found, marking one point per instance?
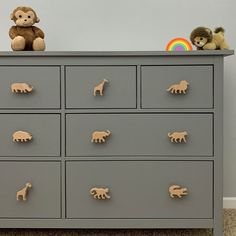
(204, 39)
(25, 36)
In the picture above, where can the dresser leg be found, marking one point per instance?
(218, 231)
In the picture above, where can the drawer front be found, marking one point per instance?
(44, 80)
(139, 189)
(138, 134)
(42, 199)
(156, 80)
(43, 128)
(118, 92)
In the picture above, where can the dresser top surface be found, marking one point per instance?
(117, 53)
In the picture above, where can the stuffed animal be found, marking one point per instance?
(204, 39)
(25, 36)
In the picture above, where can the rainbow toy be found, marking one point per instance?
(179, 44)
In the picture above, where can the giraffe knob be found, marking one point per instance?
(100, 88)
(22, 193)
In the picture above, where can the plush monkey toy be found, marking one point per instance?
(25, 36)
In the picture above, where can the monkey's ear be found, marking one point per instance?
(37, 20)
(12, 16)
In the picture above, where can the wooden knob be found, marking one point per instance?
(177, 191)
(100, 193)
(178, 137)
(179, 88)
(100, 87)
(22, 193)
(21, 88)
(100, 136)
(21, 136)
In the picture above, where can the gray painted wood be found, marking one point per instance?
(43, 199)
(139, 189)
(218, 143)
(45, 82)
(45, 129)
(119, 92)
(63, 60)
(94, 60)
(107, 223)
(157, 79)
(63, 146)
(143, 134)
(118, 53)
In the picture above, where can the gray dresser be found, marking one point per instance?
(111, 139)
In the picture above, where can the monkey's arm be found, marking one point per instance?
(38, 32)
(13, 32)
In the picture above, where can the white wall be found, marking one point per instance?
(137, 25)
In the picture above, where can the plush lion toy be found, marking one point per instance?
(204, 39)
(25, 36)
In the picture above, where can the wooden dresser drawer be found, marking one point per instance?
(83, 81)
(139, 189)
(42, 199)
(156, 80)
(39, 136)
(139, 135)
(16, 83)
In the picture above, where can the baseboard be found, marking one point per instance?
(229, 202)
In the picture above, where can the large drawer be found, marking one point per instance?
(139, 134)
(139, 189)
(156, 80)
(42, 199)
(119, 92)
(45, 131)
(44, 80)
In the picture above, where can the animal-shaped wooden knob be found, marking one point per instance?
(100, 136)
(21, 136)
(178, 137)
(100, 193)
(22, 193)
(100, 88)
(21, 88)
(177, 191)
(179, 88)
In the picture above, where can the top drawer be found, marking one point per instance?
(44, 80)
(101, 87)
(156, 80)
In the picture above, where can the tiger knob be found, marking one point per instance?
(178, 137)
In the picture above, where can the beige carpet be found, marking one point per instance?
(229, 230)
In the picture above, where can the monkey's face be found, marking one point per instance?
(200, 41)
(24, 18)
